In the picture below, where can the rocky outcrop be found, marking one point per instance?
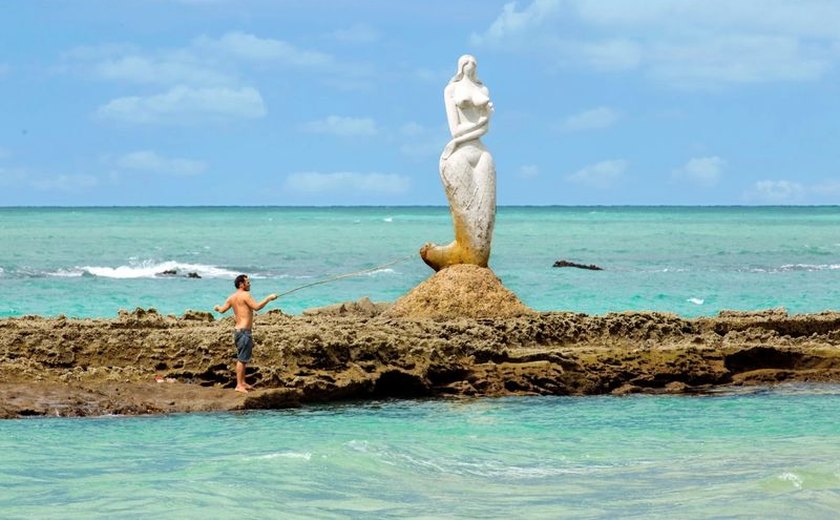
(459, 291)
(144, 362)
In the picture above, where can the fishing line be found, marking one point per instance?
(347, 275)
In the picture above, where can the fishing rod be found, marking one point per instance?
(346, 275)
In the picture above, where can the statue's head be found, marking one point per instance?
(467, 67)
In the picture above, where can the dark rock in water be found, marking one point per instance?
(566, 263)
(174, 272)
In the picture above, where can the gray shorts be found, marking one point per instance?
(244, 344)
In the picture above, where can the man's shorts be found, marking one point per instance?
(244, 344)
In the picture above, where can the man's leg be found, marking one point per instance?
(240, 377)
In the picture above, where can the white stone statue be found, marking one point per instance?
(467, 171)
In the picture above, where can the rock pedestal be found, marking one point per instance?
(460, 291)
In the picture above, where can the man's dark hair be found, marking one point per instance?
(240, 280)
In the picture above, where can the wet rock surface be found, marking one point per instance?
(143, 362)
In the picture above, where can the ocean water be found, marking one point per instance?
(761, 453)
(92, 262)
(764, 454)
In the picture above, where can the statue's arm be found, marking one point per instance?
(473, 132)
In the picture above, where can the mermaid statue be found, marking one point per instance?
(467, 171)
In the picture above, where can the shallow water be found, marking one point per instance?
(763, 453)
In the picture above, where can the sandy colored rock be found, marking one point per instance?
(459, 291)
(362, 307)
(143, 362)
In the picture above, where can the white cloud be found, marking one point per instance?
(358, 33)
(249, 47)
(725, 59)
(149, 161)
(827, 188)
(342, 126)
(175, 68)
(605, 55)
(601, 117)
(204, 62)
(66, 183)
(776, 192)
(186, 105)
(514, 23)
(702, 171)
(529, 171)
(376, 183)
(691, 43)
(602, 175)
(131, 64)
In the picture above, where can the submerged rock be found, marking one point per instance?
(566, 263)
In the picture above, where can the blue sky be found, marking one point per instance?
(287, 102)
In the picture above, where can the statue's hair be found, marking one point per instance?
(462, 62)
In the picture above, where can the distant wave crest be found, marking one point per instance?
(798, 267)
(149, 269)
(379, 271)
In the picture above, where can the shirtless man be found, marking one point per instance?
(243, 311)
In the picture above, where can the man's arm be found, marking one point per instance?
(258, 306)
(222, 308)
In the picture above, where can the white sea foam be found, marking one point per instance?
(378, 271)
(286, 455)
(67, 273)
(793, 478)
(448, 465)
(388, 219)
(150, 269)
(500, 470)
(786, 268)
(809, 267)
(696, 301)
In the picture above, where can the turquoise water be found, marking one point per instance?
(91, 262)
(766, 454)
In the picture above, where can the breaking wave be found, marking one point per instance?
(147, 269)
